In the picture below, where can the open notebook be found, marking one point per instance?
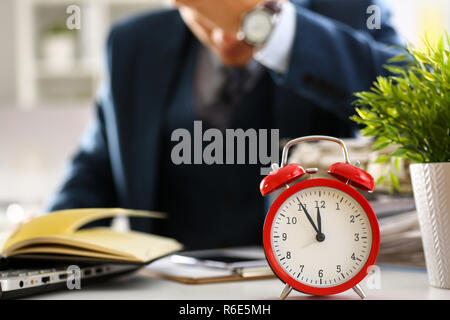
(57, 235)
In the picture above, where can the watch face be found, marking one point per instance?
(257, 26)
(320, 238)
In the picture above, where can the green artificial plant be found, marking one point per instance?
(411, 108)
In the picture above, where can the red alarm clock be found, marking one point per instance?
(320, 235)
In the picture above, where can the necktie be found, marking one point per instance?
(220, 112)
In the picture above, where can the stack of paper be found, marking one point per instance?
(401, 242)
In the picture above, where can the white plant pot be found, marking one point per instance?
(431, 186)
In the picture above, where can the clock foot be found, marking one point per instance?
(359, 291)
(287, 289)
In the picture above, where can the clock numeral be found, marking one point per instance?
(352, 219)
(292, 220)
(356, 236)
(337, 206)
(320, 273)
(302, 266)
(322, 204)
(288, 255)
(353, 256)
(300, 206)
(338, 268)
(284, 236)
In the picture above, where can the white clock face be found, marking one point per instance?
(257, 26)
(327, 248)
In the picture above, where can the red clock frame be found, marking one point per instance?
(285, 277)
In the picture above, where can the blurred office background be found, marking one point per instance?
(49, 76)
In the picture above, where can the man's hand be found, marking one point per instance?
(224, 14)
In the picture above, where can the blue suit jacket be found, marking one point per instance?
(333, 56)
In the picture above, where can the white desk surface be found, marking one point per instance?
(396, 283)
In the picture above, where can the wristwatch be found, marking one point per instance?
(258, 23)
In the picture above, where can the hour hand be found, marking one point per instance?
(320, 236)
(319, 220)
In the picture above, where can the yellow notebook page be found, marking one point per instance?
(60, 228)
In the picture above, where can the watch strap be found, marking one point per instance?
(273, 6)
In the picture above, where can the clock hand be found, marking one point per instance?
(319, 220)
(320, 236)
(308, 244)
(309, 218)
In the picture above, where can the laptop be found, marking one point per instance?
(17, 281)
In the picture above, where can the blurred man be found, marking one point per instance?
(230, 64)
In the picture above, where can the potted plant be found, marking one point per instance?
(411, 110)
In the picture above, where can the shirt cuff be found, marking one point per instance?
(276, 52)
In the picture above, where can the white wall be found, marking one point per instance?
(413, 18)
(7, 71)
(35, 146)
